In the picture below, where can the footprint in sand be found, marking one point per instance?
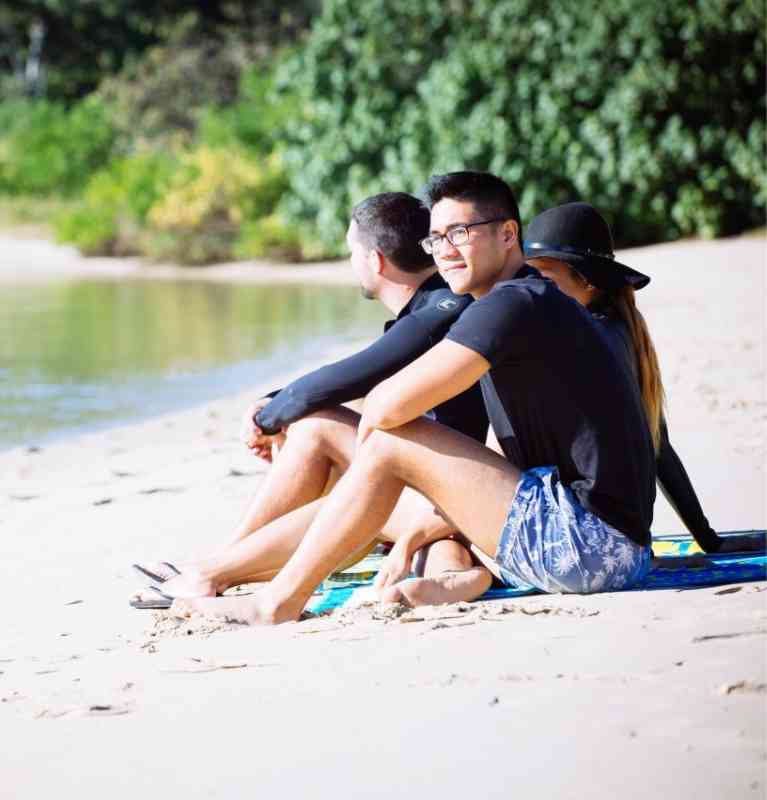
(743, 686)
(238, 473)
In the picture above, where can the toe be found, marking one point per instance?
(181, 609)
(392, 594)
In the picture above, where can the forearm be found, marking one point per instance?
(411, 541)
(676, 486)
(443, 372)
(384, 410)
(349, 379)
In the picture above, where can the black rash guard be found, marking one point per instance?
(420, 325)
(672, 476)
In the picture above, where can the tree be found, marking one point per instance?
(652, 111)
(82, 41)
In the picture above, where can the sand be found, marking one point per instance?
(640, 694)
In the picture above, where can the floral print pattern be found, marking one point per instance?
(551, 543)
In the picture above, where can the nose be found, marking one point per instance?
(446, 247)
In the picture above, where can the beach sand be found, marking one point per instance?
(640, 694)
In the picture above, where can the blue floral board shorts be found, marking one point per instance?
(552, 543)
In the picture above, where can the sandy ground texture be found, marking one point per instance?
(639, 694)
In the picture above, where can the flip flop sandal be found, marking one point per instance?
(160, 601)
(153, 576)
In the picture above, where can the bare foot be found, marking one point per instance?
(190, 584)
(449, 587)
(250, 610)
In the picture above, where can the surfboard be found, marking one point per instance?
(684, 545)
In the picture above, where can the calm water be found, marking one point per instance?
(86, 354)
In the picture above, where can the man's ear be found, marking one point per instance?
(377, 261)
(510, 232)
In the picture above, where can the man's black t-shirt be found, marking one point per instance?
(557, 395)
(420, 325)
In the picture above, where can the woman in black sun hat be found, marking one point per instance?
(572, 245)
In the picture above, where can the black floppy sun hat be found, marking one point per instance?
(579, 235)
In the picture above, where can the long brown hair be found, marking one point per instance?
(650, 382)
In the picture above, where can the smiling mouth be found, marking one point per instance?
(451, 267)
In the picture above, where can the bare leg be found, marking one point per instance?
(318, 450)
(259, 558)
(447, 573)
(303, 468)
(448, 468)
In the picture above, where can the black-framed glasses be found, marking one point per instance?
(457, 236)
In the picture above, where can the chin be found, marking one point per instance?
(458, 282)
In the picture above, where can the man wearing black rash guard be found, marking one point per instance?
(391, 266)
(568, 509)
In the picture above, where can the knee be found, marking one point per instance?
(446, 555)
(378, 449)
(315, 430)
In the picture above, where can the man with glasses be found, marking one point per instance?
(391, 266)
(568, 506)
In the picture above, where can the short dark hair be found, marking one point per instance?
(394, 224)
(491, 195)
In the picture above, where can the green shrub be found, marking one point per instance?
(197, 207)
(270, 237)
(653, 111)
(109, 218)
(212, 194)
(157, 98)
(257, 118)
(49, 149)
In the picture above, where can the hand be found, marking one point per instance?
(255, 439)
(396, 566)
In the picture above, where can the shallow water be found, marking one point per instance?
(85, 354)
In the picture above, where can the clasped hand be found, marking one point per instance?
(260, 443)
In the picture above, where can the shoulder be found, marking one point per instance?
(518, 296)
(441, 302)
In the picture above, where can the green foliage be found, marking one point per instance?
(653, 111)
(210, 196)
(83, 42)
(257, 118)
(49, 149)
(271, 237)
(110, 217)
(212, 139)
(188, 193)
(157, 99)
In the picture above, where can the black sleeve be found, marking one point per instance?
(355, 376)
(678, 490)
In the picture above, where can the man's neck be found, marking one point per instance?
(510, 268)
(396, 295)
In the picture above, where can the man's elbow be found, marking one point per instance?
(383, 410)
